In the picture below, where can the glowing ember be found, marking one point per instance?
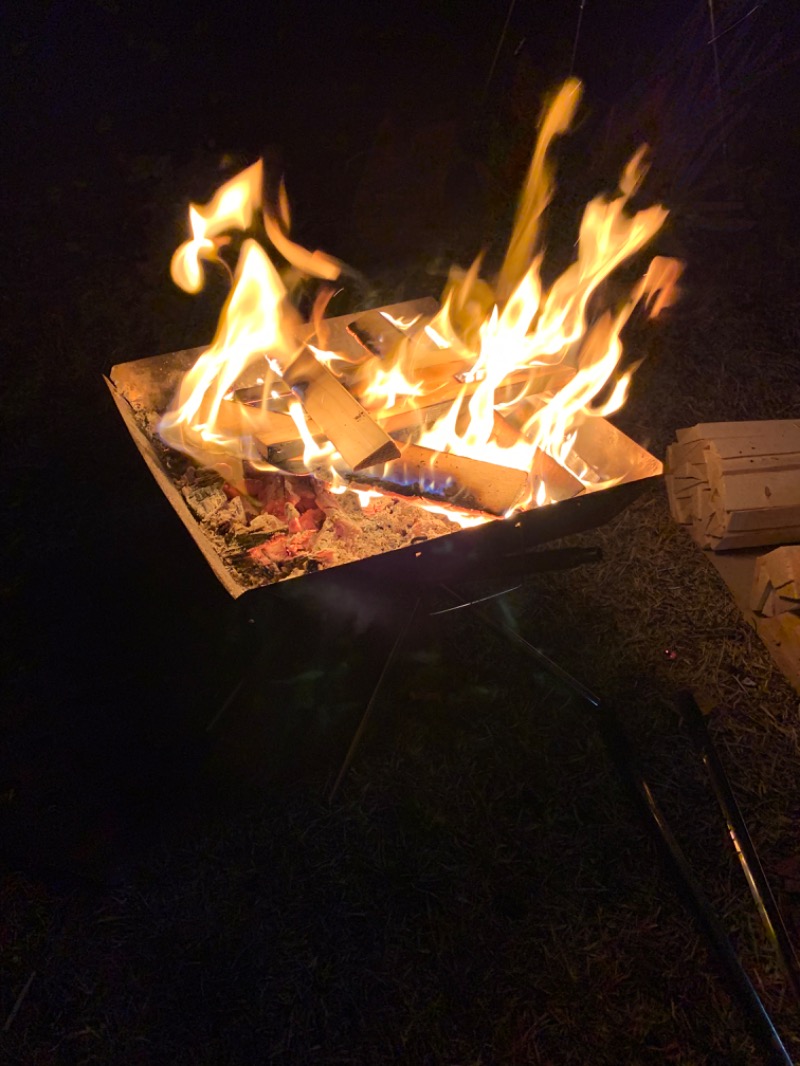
(505, 373)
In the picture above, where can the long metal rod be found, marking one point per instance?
(746, 853)
(654, 820)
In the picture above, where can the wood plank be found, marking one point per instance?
(760, 538)
(761, 589)
(783, 566)
(736, 569)
(778, 575)
(359, 440)
(719, 467)
(335, 334)
(720, 431)
(690, 453)
(782, 636)
(402, 414)
(678, 505)
(239, 419)
(468, 482)
(280, 437)
(561, 483)
(767, 489)
(375, 334)
(774, 442)
(762, 519)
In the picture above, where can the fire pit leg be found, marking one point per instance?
(311, 655)
(362, 725)
(514, 564)
(616, 743)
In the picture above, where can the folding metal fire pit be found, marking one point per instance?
(359, 593)
(495, 548)
(373, 598)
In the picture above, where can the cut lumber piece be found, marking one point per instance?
(561, 483)
(783, 569)
(678, 505)
(772, 444)
(737, 484)
(759, 538)
(779, 637)
(761, 590)
(336, 335)
(781, 430)
(761, 519)
(686, 479)
(719, 467)
(685, 455)
(359, 440)
(469, 482)
(375, 333)
(236, 419)
(451, 388)
(776, 582)
(282, 442)
(781, 634)
(700, 508)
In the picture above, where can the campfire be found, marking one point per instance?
(302, 444)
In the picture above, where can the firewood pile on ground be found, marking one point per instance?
(735, 488)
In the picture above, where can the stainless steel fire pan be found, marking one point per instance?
(149, 384)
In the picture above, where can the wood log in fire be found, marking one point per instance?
(469, 483)
(561, 483)
(278, 433)
(736, 484)
(357, 437)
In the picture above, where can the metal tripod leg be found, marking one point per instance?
(358, 735)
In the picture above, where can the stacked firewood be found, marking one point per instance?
(736, 484)
(775, 601)
(776, 583)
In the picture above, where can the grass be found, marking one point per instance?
(481, 891)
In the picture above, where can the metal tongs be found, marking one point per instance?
(654, 820)
(743, 845)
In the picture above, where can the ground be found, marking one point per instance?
(480, 891)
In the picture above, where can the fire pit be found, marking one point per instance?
(414, 440)
(141, 388)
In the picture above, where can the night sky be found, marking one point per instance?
(104, 75)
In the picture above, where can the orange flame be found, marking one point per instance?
(503, 372)
(231, 207)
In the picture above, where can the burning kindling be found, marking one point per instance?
(409, 421)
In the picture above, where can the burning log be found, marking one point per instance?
(371, 333)
(737, 484)
(279, 436)
(561, 483)
(376, 334)
(468, 482)
(359, 440)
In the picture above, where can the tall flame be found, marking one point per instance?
(504, 372)
(232, 206)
